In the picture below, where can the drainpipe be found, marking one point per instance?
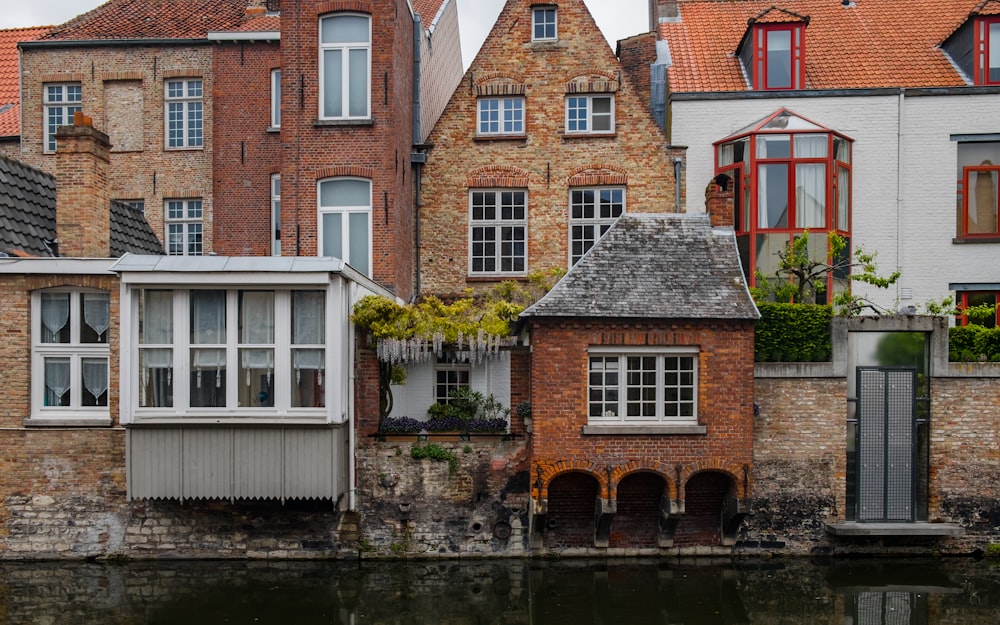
(901, 103)
(418, 157)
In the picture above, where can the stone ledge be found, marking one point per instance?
(642, 430)
(67, 422)
(895, 529)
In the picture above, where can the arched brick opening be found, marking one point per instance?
(637, 520)
(704, 495)
(572, 506)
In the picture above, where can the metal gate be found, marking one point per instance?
(886, 443)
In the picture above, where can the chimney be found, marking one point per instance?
(663, 11)
(83, 200)
(719, 202)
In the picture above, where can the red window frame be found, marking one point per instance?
(962, 302)
(983, 44)
(966, 186)
(796, 57)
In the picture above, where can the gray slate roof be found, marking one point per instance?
(672, 266)
(28, 216)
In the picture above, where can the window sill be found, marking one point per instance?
(67, 422)
(642, 430)
(497, 277)
(977, 239)
(196, 148)
(344, 122)
(273, 129)
(192, 421)
(488, 138)
(589, 135)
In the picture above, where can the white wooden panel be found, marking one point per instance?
(258, 466)
(208, 463)
(154, 469)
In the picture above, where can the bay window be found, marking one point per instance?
(652, 385)
(70, 353)
(201, 350)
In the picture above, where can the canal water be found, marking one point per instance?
(604, 592)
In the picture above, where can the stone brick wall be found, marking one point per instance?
(378, 151)
(140, 169)
(545, 161)
(247, 151)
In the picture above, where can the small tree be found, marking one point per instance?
(799, 277)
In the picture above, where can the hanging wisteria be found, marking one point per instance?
(418, 350)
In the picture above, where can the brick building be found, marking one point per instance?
(10, 100)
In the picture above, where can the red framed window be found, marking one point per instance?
(987, 69)
(978, 190)
(779, 55)
(974, 299)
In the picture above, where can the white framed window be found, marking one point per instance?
(275, 98)
(70, 353)
(182, 220)
(448, 377)
(642, 385)
(139, 205)
(498, 231)
(275, 214)
(345, 66)
(544, 25)
(590, 114)
(202, 351)
(592, 211)
(185, 119)
(500, 116)
(60, 102)
(345, 217)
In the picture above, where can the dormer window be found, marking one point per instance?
(778, 59)
(543, 23)
(987, 51)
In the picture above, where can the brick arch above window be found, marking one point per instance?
(341, 171)
(595, 81)
(597, 175)
(499, 84)
(356, 6)
(498, 176)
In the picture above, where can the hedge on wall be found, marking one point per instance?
(973, 343)
(793, 333)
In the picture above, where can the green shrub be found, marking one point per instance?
(793, 333)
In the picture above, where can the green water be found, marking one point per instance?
(606, 592)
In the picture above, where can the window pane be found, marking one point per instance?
(773, 146)
(55, 318)
(95, 314)
(994, 44)
(359, 246)
(333, 235)
(344, 193)
(308, 317)
(208, 317)
(276, 98)
(843, 198)
(810, 195)
(208, 378)
(358, 88)
(94, 372)
(772, 195)
(333, 83)
(779, 59)
(156, 318)
(156, 388)
(344, 29)
(308, 385)
(57, 372)
(256, 317)
(256, 378)
(811, 146)
(982, 192)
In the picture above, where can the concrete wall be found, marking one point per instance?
(904, 174)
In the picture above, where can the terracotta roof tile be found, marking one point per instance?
(874, 43)
(260, 24)
(10, 118)
(427, 10)
(153, 19)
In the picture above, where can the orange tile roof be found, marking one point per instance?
(427, 10)
(10, 116)
(260, 24)
(874, 43)
(153, 19)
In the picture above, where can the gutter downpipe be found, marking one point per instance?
(418, 162)
(901, 104)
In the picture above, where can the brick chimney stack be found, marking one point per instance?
(663, 11)
(719, 202)
(83, 200)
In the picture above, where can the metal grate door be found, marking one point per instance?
(886, 443)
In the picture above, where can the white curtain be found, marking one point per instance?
(56, 380)
(810, 195)
(157, 317)
(308, 317)
(55, 316)
(97, 314)
(95, 376)
(208, 317)
(257, 318)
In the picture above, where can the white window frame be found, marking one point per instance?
(662, 356)
(363, 261)
(500, 116)
(183, 114)
(75, 351)
(180, 357)
(189, 226)
(457, 368)
(608, 205)
(584, 125)
(539, 20)
(276, 98)
(345, 48)
(275, 214)
(58, 109)
(498, 224)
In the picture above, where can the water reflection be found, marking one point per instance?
(607, 592)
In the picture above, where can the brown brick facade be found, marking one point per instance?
(545, 161)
